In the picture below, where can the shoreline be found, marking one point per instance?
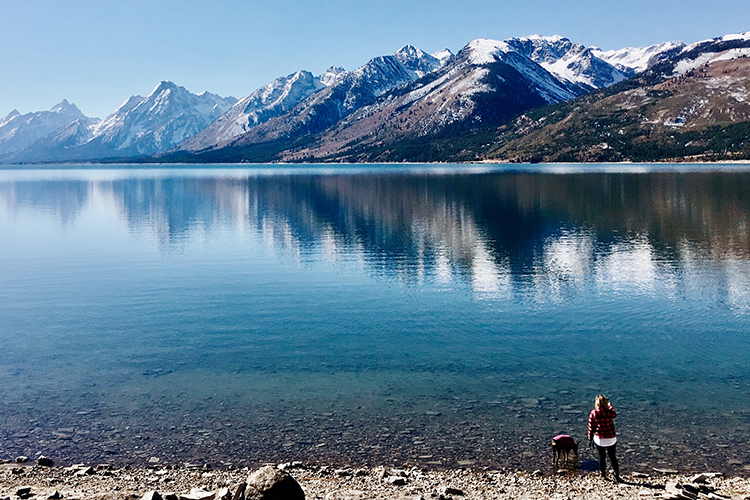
(103, 481)
(487, 161)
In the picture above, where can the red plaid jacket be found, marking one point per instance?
(601, 423)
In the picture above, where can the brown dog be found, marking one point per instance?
(562, 446)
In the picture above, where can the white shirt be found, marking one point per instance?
(604, 442)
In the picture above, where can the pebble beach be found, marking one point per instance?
(102, 481)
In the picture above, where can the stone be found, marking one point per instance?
(154, 460)
(223, 494)
(152, 495)
(55, 495)
(22, 459)
(449, 490)
(665, 471)
(270, 483)
(171, 496)
(197, 494)
(396, 480)
(676, 490)
(640, 475)
(239, 492)
(85, 471)
(23, 491)
(44, 461)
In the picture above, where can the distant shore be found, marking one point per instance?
(326, 482)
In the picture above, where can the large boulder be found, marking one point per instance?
(270, 483)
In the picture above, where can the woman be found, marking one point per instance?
(602, 434)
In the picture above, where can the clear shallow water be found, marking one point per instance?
(441, 317)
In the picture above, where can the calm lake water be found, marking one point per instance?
(443, 317)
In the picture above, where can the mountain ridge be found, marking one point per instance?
(484, 102)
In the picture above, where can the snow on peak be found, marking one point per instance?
(19, 131)
(637, 58)
(410, 51)
(443, 56)
(267, 102)
(169, 115)
(536, 37)
(685, 65)
(732, 37)
(332, 75)
(417, 60)
(545, 49)
(486, 51)
(165, 85)
(736, 36)
(66, 108)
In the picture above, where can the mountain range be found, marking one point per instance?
(534, 98)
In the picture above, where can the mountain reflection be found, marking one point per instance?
(493, 231)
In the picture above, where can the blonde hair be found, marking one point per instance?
(602, 401)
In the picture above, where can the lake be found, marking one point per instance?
(446, 316)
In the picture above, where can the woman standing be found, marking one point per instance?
(602, 434)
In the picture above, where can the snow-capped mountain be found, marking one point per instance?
(272, 99)
(345, 93)
(140, 126)
(486, 82)
(388, 104)
(570, 61)
(639, 59)
(59, 143)
(164, 119)
(483, 51)
(18, 131)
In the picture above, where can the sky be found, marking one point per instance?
(97, 53)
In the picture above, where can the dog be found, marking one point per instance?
(562, 446)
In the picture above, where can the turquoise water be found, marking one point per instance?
(441, 317)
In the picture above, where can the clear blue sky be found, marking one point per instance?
(96, 53)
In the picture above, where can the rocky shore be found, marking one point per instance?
(296, 480)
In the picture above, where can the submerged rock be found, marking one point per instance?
(44, 461)
(270, 483)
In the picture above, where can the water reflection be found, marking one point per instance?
(498, 232)
(270, 301)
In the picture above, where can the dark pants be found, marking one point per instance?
(603, 452)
